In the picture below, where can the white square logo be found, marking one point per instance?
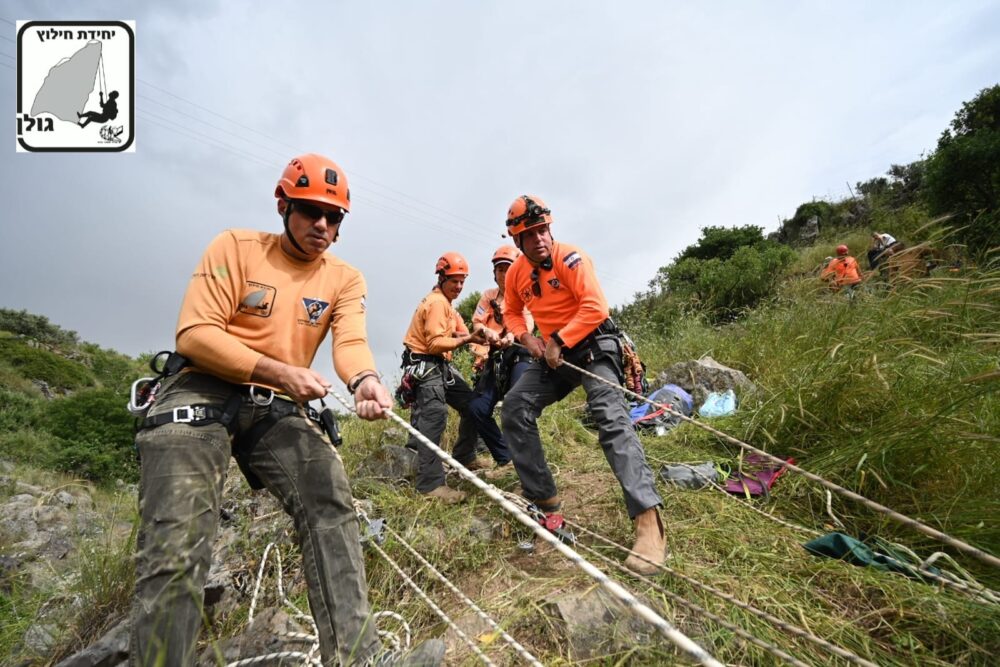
(75, 86)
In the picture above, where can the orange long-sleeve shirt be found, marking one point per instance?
(248, 299)
(571, 300)
(843, 270)
(432, 327)
(490, 305)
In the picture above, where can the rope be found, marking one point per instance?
(871, 504)
(430, 603)
(774, 620)
(523, 652)
(770, 648)
(307, 658)
(969, 587)
(674, 635)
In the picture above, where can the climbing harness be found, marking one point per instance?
(143, 393)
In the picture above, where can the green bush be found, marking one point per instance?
(963, 174)
(95, 435)
(40, 364)
(36, 327)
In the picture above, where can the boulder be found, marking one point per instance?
(594, 624)
(702, 377)
(108, 651)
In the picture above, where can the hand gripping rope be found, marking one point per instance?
(871, 504)
(675, 636)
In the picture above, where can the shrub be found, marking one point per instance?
(40, 364)
(95, 435)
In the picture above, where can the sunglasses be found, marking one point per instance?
(313, 212)
(536, 287)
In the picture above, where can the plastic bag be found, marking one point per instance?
(719, 405)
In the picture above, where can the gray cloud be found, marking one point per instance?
(638, 123)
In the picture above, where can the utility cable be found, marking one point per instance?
(679, 639)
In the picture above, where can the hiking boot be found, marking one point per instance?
(478, 463)
(446, 494)
(429, 653)
(649, 543)
(499, 471)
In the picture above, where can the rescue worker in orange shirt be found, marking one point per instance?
(843, 271)
(557, 283)
(256, 310)
(436, 330)
(499, 364)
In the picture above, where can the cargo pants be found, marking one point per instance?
(540, 387)
(183, 470)
(438, 387)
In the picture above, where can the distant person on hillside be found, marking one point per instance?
(109, 111)
(882, 246)
(557, 283)
(257, 308)
(842, 272)
(435, 331)
(500, 364)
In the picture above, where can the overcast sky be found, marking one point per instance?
(637, 122)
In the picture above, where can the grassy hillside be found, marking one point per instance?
(892, 394)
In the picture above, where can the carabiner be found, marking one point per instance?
(261, 400)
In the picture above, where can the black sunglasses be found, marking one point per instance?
(536, 287)
(314, 212)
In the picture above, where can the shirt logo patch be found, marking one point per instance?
(314, 309)
(554, 282)
(258, 299)
(572, 259)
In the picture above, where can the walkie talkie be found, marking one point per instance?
(328, 418)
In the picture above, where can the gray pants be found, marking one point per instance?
(183, 473)
(540, 387)
(429, 415)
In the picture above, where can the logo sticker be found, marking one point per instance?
(258, 299)
(75, 86)
(314, 309)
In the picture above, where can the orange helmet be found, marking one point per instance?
(842, 250)
(505, 254)
(451, 264)
(314, 178)
(527, 211)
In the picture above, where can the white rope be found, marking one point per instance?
(523, 652)
(430, 603)
(308, 658)
(679, 639)
(969, 587)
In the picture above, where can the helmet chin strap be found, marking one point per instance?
(288, 232)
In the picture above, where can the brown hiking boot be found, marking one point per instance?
(649, 543)
(446, 494)
(479, 463)
(499, 472)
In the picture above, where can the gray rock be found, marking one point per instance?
(393, 436)
(66, 498)
(595, 624)
(108, 651)
(392, 462)
(702, 377)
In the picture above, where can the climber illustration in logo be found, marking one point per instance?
(75, 86)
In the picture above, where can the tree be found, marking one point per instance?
(963, 174)
(467, 307)
(723, 242)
